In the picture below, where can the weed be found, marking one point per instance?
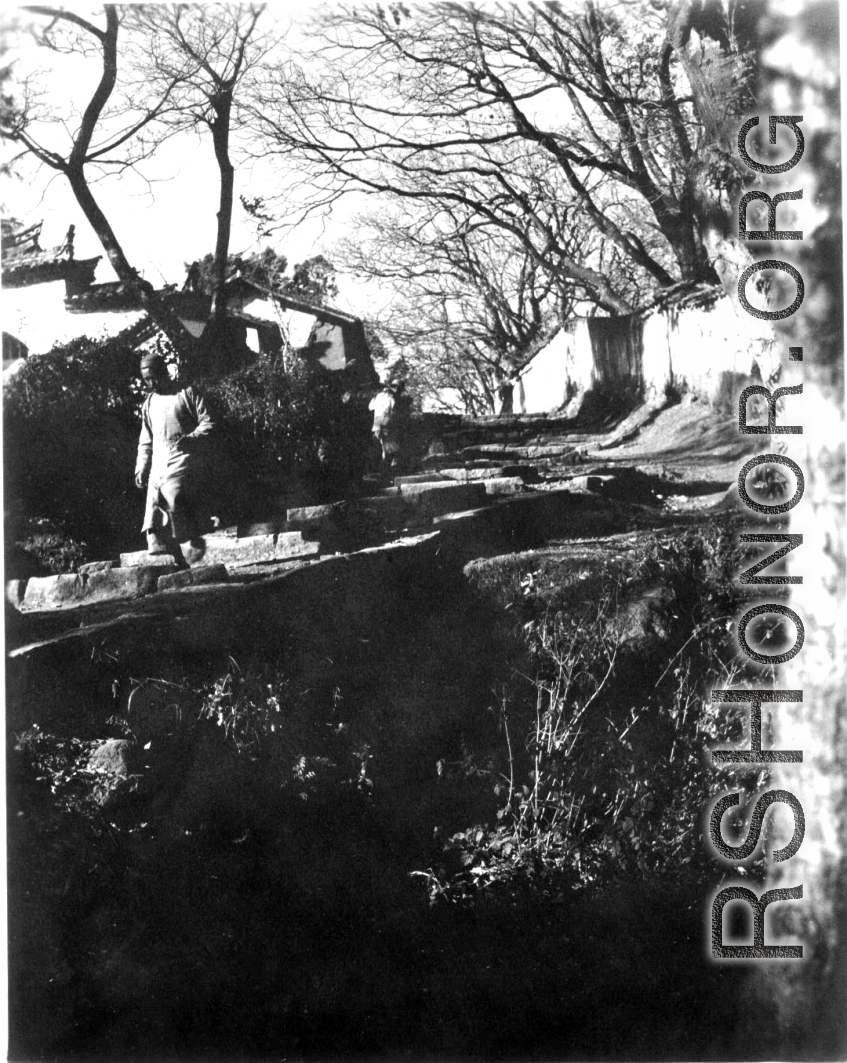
(246, 706)
(606, 778)
(51, 549)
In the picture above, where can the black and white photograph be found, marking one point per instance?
(424, 532)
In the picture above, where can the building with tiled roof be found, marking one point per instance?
(25, 262)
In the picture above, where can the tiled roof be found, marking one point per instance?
(44, 266)
(25, 262)
(115, 297)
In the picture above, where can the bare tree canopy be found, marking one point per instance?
(599, 105)
(162, 70)
(528, 161)
(468, 302)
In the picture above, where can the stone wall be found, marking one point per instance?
(703, 348)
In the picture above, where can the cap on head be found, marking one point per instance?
(153, 361)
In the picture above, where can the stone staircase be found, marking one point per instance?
(474, 463)
(545, 443)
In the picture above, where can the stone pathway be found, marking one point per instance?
(235, 553)
(475, 464)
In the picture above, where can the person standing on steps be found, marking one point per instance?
(175, 424)
(505, 393)
(391, 409)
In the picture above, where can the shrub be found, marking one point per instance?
(48, 548)
(296, 423)
(302, 740)
(78, 380)
(602, 773)
(70, 433)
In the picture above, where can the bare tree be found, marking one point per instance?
(439, 102)
(466, 302)
(28, 121)
(208, 51)
(179, 66)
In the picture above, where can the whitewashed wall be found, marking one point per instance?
(691, 349)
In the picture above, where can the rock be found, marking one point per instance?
(123, 583)
(287, 546)
(52, 592)
(67, 591)
(434, 499)
(588, 483)
(492, 472)
(419, 478)
(310, 515)
(391, 510)
(642, 624)
(140, 558)
(504, 485)
(249, 549)
(112, 764)
(15, 590)
(193, 577)
(97, 566)
(115, 756)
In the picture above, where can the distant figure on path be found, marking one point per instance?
(174, 425)
(391, 408)
(505, 394)
(517, 380)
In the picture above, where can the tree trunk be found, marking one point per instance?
(167, 321)
(220, 139)
(721, 81)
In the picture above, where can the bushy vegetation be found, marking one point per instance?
(313, 281)
(71, 421)
(296, 425)
(601, 777)
(70, 433)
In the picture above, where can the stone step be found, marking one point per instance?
(528, 473)
(387, 510)
(453, 459)
(251, 549)
(312, 516)
(589, 482)
(546, 451)
(459, 440)
(411, 503)
(392, 510)
(434, 499)
(504, 485)
(457, 459)
(530, 519)
(514, 422)
(265, 527)
(244, 550)
(98, 566)
(418, 478)
(193, 577)
(141, 559)
(492, 451)
(69, 591)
